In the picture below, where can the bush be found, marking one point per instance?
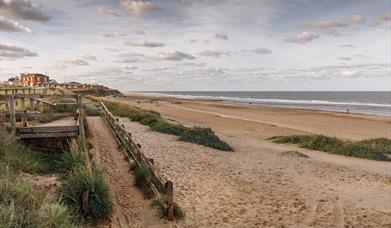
(167, 127)
(374, 149)
(206, 137)
(178, 212)
(99, 201)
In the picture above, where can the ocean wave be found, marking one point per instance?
(271, 100)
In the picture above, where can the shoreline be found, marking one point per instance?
(278, 103)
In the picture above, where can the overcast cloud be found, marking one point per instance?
(200, 45)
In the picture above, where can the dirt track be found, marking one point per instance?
(130, 207)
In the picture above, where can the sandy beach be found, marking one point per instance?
(259, 185)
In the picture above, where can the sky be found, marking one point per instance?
(201, 45)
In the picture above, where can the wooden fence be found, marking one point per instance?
(161, 187)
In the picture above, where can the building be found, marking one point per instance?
(33, 79)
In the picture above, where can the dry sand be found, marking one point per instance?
(258, 186)
(130, 207)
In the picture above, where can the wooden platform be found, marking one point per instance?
(66, 127)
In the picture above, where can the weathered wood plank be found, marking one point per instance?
(49, 129)
(49, 135)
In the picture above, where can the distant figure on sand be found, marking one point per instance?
(347, 111)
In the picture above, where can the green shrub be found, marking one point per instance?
(206, 137)
(374, 149)
(119, 109)
(167, 127)
(99, 201)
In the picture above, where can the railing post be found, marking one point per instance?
(81, 119)
(12, 114)
(31, 104)
(170, 200)
(24, 116)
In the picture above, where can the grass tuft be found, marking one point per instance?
(99, 202)
(205, 136)
(373, 149)
(168, 127)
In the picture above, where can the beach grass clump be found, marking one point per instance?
(22, 206)
(206, 137)
(168, 127)
(145, 117)
(178, 212)
(83, 179)
(198, 135)
(120, 109)
(22, 159)
(373, 149)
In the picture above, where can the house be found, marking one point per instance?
(34, 79)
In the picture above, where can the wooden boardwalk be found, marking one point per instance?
(65, 127)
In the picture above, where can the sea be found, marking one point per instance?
(363, 102)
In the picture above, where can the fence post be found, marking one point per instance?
(170, 200)
(84, 203)
(31, 104)
(81, 119)
(24, 115)
(12, 114)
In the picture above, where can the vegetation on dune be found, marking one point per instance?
(99, 202)
(100, 92)
(79, 173)
(178, 212)
(294, 154)
(198, 135)
(206, 137)
(22, 206)
(374, 149)
(168, 127)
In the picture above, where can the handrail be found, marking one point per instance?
(160, 186)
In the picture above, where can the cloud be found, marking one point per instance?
(21, 10)
(357, 20)
(172, 55)
(89, 58)
(221, 36)
(138, 7)
(262, 51)
(108, 12)
(9, 25)
(345, 58)
(192, 64)
(349, 73)
(192, 41)
(329, 24)
(129, 67)
(216, 53)
(75, 61)
(382, 18)
(347, 46)
(139, 32)
(14, 52)
(301, 38)
(143, 43)
(110, 34)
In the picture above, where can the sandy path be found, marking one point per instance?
(130, 207)
(258, 187)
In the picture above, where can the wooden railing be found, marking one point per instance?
(161, 187)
